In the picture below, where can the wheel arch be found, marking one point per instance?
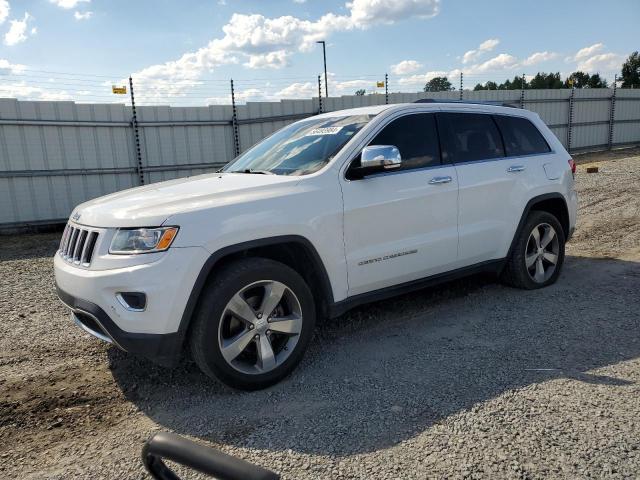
(554, 203)
(293, 250)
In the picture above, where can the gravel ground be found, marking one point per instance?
(467, 380)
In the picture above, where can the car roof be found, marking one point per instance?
(431, 106)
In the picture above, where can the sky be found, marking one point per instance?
(185, 52)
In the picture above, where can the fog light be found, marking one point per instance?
(133, 301)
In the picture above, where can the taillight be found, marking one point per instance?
(572, 165)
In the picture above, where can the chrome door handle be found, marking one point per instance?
(516, 168)
(438, 180)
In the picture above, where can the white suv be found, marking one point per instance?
(328, 213)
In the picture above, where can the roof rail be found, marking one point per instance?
(471, 102)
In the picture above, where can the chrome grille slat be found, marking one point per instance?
(91, 245)
(64, 237)
(78, 244)
(65, 248)
(82, 236)
(72, 243)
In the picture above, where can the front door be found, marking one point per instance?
(401, 225)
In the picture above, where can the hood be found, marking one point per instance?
(151, 205)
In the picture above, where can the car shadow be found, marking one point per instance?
(386, 372)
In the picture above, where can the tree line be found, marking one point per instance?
(630, 77)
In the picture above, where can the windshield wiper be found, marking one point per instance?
(260, 172)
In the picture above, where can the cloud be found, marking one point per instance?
(257, 41)
(276, 59)
(588, 51)
(4, 10)
(421, 79)
(365, 13)
(299, 1)
(68, 4)
(299, 90)
(593, 59)
(24, 91)
(17, 32)
(11, 67)
(503, 61)
(405, 67)
(539, 57)
(603, 62)
(82, 16)
(484, 47)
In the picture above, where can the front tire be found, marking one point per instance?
(254, 322)
(538, 253)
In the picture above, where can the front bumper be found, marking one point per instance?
(154, 332)
(164, 349)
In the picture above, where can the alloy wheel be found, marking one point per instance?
(542, 252)
(260, 327)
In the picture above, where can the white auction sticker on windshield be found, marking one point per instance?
(324, 131)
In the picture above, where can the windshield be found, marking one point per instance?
(300, 148)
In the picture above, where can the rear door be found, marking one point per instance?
(488, 190)
(401, 225)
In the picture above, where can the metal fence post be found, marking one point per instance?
(234, 121)
(136, 134)
(386, 89)
(612, 111)
(570, 119)
(319, 94)
(522, 92)
(461, 85)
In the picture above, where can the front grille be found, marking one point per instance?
(78, 244)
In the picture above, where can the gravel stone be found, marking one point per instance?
(466, 380)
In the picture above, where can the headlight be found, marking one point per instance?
(142, 240)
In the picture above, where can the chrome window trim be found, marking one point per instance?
(498, 159)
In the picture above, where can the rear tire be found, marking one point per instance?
(538, 253)
(234, 341)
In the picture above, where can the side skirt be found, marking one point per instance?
(343, 306)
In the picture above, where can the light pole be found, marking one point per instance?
(324, 55)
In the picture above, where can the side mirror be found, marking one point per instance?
(376, 157)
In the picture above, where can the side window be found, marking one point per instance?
(469, 136)
(520, 136)
(416, 138)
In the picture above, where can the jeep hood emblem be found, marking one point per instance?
(76, 216)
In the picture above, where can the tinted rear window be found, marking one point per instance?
(469, 136)
(520, 136)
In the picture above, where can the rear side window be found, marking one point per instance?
(416, 138)
(520, 136)
(467, 137)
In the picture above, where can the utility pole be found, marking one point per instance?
(324, 56)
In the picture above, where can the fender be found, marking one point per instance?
(525, 214)
(218, 255)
